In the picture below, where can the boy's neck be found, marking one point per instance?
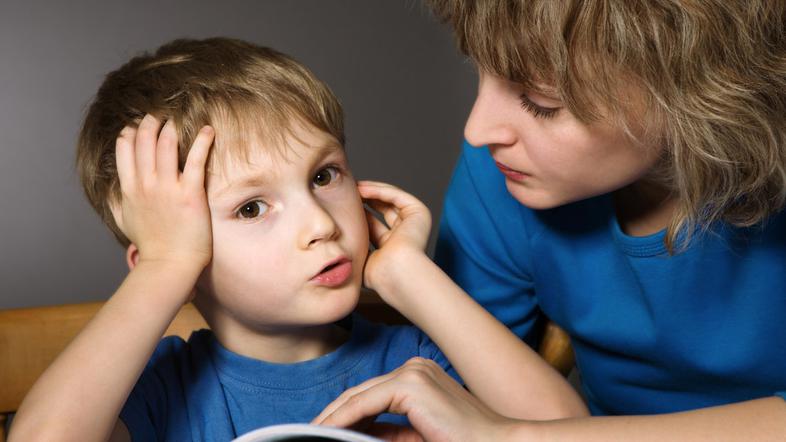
(282, 346)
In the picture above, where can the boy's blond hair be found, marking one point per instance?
(243, 89)
(709, 74)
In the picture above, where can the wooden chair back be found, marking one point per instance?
(31, 338)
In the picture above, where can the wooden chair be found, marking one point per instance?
(31, 338)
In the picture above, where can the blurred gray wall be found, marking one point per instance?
(405, 88)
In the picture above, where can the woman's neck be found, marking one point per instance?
(644, 208)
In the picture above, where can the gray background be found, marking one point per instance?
(405, 89)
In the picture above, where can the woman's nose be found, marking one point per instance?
(491, 121)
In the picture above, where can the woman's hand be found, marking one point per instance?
(438, 408)
(408, 225)
(162, 211)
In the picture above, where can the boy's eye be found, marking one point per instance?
(252, 209)
(325, 176)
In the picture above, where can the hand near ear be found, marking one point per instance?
(162, 211)
(404, 233)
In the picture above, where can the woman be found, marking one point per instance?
(631, 188)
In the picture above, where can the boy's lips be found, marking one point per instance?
(513, 174)
(334, 273)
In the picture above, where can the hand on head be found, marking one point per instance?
(438, 408)
(162, 211)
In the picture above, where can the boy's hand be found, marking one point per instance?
(162, 211)
(409, 222)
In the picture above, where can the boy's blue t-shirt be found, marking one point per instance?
(652, 333)
(198, 390)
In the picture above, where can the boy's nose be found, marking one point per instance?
(317, 225)
(493, 116)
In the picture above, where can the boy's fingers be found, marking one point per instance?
(145, 146)
(166, 152)
(387, 193)
(389, 212)
(124, 157)
(371, 183)
(376, 229)
(194, 170)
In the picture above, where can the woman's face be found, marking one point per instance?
(550, 158)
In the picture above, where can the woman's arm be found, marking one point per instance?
(439, 410)
(759, 420)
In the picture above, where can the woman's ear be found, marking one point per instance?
(132, 256)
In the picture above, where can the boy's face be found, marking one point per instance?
(289, 235)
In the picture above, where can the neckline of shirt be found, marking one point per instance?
(299, 375)
(636, 246)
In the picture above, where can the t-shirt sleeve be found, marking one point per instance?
(782, 394)
(483, 243)
(429, 350)
(145, 410)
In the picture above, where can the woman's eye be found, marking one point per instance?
(537, 110)
(325, 176)
(252, 209)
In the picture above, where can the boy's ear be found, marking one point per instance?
(132, 256)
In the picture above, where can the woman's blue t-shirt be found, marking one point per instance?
(652, 333)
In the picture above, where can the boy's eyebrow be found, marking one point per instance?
(328, 148)
(244, 183)
(257, 180)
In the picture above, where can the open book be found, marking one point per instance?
(304, 433)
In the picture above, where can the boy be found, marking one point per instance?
(268, 238)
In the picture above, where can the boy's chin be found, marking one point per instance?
(343, 309)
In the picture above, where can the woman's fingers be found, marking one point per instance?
(166, 153)
(437, 406)
(373, 401)
(377, 395)
(194, 170)
(350, 393)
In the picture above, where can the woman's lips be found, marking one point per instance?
(335, 274)
(512, 174)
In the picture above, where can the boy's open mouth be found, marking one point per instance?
(334, 273)
(330, 266)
